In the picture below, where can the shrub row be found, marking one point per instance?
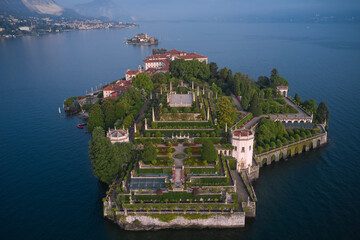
(176, 196)
(155, 170)
(200, 170)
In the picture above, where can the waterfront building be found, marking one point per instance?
(130, 74)
(161, 62)
(114, 90)
(243, 141)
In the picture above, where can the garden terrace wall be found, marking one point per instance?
(243, 121)
(177, 206)
(290, 149)
(141, 222)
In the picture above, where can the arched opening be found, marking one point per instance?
(318, 143)
(295, 121)
(288, 152)
(296, 150)
(301, 121)
(264, 161)
(311, 145)
(272, 158)
(281, 155)
(283, 122)
(304, 148)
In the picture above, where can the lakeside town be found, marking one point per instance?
(180, 142)
(12, 26)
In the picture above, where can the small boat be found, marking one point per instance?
(59, 111)
(80, 127)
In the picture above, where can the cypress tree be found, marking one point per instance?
(96, 118)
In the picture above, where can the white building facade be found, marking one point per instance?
(243, 142)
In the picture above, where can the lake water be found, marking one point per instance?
(47, 190)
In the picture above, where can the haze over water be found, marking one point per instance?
(47, 187)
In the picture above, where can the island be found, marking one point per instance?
(142, 39)
(181, 146)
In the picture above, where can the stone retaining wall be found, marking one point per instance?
(140, 222)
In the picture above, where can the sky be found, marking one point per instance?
(225, 9)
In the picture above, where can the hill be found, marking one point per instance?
(34, 8)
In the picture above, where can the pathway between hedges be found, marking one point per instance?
(178, 164)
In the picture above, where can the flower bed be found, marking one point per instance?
(194, 162)
(164, 150)
(193, 150)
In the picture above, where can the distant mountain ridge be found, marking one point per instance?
(34, 7)
(98, 8)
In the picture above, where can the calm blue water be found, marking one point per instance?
(47, 190)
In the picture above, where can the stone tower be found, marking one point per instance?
(243, 142)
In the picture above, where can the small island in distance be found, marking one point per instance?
(142, 39)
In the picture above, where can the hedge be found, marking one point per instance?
(200, 170)
(232, 162)
(184, 124)
(244, 120)
(214, 140)
(187, 206)
(155, 170)
(176, 196)
(210, 181)
(151, 140)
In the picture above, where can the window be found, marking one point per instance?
(250, 147)
(243, 149)
(235, 148)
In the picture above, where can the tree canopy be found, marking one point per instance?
(96, 118)
(104, 164)
(108, 159)
(209, 152)
(268, 130)
(255, 106)
(225, 112)
(149, 153)
(143, 81)
(187, 70)
(322, 113)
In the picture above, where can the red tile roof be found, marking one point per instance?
(132, 72)
(282, 87)
(242, 133)
(191, 56)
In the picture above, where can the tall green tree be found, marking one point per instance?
(123, 153)
(96, 118)
(143, 81)
(225, 112)
(310, 105)
(322, 113)
(101, 151)
(213, 69)
(149, 153)
(255, 106)
(108, 109)
(209, 152)
(274, 73)
(297, 98)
